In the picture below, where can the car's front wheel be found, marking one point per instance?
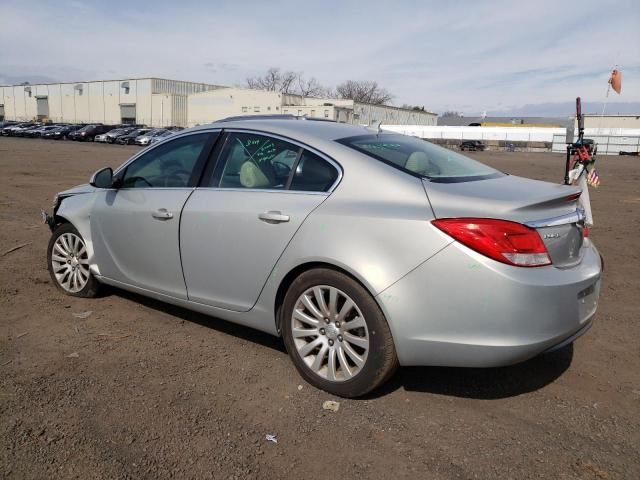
(68, 263)
(336, 334)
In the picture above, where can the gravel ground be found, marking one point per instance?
(140, 389)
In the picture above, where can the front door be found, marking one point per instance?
(135, 228)
(237, 224)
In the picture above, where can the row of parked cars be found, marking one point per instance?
(93, 132)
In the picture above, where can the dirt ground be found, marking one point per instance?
(140, 389)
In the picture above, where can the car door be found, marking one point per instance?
(135, 227)
(238, 222)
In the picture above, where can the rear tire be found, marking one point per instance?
(349, 350)
(68, 263)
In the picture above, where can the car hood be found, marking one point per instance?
(84, 188)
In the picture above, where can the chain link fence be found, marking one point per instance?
(607, 144)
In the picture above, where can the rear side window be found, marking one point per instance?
(256, 161)
(420, 158)
(250, 160)
(313, 174)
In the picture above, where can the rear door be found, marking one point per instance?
(135, 228)
(238, 222)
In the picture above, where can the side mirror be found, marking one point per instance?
(103, 178)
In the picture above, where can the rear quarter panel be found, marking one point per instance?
(375, 225)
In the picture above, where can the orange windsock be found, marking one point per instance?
(616, 80)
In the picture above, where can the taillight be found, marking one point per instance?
(507, 242)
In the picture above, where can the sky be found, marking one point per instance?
(468, 56)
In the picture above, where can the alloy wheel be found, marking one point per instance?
(330, 333)
(70, 262)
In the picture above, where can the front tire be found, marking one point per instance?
(336, 334)
(68, 263)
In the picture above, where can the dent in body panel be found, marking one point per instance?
(76, 209)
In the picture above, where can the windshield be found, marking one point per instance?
(420, 157)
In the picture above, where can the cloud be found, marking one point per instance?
(467, 55)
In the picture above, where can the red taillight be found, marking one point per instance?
(573, 197)
(585, 231)
(507, 242)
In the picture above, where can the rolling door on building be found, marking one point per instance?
(42, 107)
(128, 113)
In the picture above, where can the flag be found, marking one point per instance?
(616, 80)
(593, 178)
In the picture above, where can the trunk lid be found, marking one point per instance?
(550, 208)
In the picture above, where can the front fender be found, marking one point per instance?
(76, 210)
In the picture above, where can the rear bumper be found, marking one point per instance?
(462, 309)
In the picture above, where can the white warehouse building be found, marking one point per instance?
(211, 105)
(159, 103)
(149, 101)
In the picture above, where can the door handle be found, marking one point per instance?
(162, 214)
(273, 217)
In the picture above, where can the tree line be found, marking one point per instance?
(276, 80)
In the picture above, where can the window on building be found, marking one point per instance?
(313, 113)
(268, 109)
(326, 114)
(285, 110)
(256, 109)
(245, 109)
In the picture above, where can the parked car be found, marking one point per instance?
(22, 131)
(363, 250)
(89, 132)
(161, 136)
(8, 130)
(6, 124)
(37, 132)
(102, 138)
(61, 132)
(472, 145)
(117, 132)
(129, 138)
(147, 137)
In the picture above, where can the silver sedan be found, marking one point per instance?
(364, 250)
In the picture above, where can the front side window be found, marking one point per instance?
(420, 157)
(169, 165)
(251, 160)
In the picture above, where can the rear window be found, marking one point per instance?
(420, 158)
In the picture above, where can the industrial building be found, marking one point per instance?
(215, 104)
(613, 121)
(159, 102)
(149, 101)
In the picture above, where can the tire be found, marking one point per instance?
(72, 277)
(331, 341)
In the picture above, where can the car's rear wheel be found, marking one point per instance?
(336, 334)
(68, 263)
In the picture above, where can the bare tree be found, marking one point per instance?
(364, 91)
(451, 114)
(417, 108)
(310, 87)
(274, 80)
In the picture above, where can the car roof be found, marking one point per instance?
(296, 128)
